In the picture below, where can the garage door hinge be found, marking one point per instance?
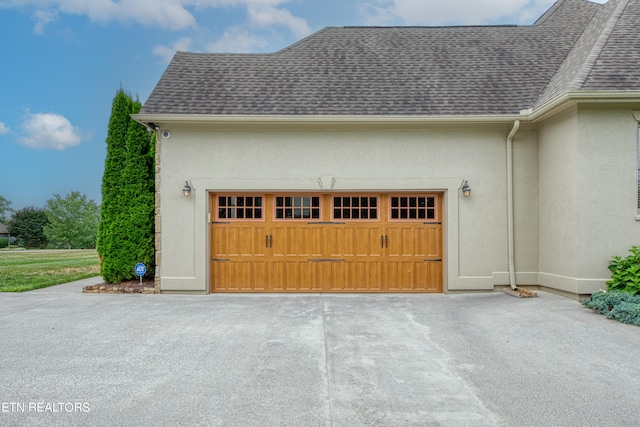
(325, 260)
(435, 223)
(220, 259)
(433, 260)
(220, 222)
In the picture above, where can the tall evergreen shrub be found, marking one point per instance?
(126, 230)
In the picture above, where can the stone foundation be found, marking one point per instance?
(119, 289)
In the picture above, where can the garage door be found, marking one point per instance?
(326, 242)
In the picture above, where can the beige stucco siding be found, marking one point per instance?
(372, 158)
(574, 189)
(607, 188)
(526, 205)
(587, 197)
(558, 203)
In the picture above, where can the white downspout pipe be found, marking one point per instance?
(510, 219)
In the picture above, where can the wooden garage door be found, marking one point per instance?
(326, 242)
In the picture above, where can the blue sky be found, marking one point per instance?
(64, 60)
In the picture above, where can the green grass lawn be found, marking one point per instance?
(25, 270)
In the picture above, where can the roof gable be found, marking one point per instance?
(617, 66)
(579, 65)
(470, 70)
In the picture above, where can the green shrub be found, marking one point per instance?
(626, 312)
(4, 242)
(621, 306)
(126, 227)
(625, 272)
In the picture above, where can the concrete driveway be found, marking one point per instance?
(68, 358)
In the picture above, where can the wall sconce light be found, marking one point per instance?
(186, 190)
(466, 190)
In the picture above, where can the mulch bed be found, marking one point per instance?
(126, 287)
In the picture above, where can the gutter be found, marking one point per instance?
(166, 119)
(510, 217)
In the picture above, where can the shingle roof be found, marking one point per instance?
(4, 229)
(606, 56)
(618, 64)
(410, 70)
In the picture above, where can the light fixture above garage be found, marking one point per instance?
(186, 190)
(466, 190)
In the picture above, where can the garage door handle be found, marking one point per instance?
(382, 242)
(268, 241)
(271, 241)
(386, 241)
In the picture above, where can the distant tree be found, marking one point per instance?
(28, 225)
(5, 210)
(73, 221)
(126, 230)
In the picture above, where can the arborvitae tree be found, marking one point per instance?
(112, 177)
(126, 230)
(134, 224)
(28, 224)
(73, 221)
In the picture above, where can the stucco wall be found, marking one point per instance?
(356, 158)
(588, 199)
(558, 202)
(607, 189)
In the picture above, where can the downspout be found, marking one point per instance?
(510, 219)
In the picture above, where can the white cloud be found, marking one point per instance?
(51, 131)
(452, 12)
(262, 15)
(167, 52)
(437, 12)
(42, 18)
(176, 15)
(4, 129)
(167, 14)
(267, 16)
(237, 40)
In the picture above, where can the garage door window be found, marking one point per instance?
(355, 208)
(413, 208)
(240, 207)
(297, 207)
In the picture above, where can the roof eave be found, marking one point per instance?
(543, 112)
(324, 119)
(569, 99)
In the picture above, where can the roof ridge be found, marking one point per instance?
(585, 71)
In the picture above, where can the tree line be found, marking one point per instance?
(69, 222)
